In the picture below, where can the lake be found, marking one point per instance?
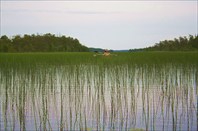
(133, 96)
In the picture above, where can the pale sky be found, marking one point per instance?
(102, 24)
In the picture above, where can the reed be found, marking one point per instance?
(77, 91)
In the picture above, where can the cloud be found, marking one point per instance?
(83, 12)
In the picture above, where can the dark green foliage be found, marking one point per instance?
(189, 43)
(41, 43)
(181, 44)
(96, 49)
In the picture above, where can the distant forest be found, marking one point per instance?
(41, 43)
(51, 43)
(189, 43)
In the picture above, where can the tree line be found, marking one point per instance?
(189, 43)
(41, 43)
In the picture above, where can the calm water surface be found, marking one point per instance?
(93, 97)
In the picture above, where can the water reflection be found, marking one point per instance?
(91, 97)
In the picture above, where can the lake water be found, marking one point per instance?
(93, 97)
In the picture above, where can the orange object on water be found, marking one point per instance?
(106, 53)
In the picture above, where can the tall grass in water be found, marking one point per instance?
(75, 91)
(18, 60)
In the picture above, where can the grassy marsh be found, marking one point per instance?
(76, 91)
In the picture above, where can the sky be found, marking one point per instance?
(103, 24)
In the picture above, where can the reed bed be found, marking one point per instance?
(17, 59)
(77, 91)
